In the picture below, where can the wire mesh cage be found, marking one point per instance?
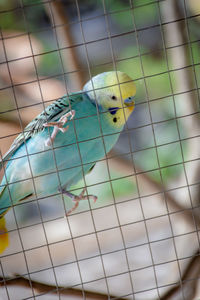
(140, 239)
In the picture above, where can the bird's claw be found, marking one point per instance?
(59, 125)
(81, 196)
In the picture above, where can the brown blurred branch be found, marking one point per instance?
(192, 272)
(121, 164)
(190, 279)
(58, 16)
(176, 34)
(190, 73)
(51, 289)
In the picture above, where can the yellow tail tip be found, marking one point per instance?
(4, 236)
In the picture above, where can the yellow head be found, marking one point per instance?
(113, 91)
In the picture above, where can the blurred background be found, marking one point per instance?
(140, 239)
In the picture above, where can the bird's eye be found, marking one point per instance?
(114, 120)
(114, 97)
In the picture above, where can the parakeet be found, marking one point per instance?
(62, 144)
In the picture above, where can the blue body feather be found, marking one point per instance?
(36, 170)
(74, 152)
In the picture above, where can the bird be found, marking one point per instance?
(64, 142)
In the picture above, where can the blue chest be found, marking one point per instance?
(87, 140)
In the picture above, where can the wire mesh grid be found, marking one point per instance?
(140, 239)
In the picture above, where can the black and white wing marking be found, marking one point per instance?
(52, 113)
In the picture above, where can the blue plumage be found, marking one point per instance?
(54, 153)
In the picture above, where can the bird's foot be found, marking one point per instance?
(76, 199)
(59, 125)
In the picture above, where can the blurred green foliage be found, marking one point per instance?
(46, 68)
(14, 18)
(124, 16)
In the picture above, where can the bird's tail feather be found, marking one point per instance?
(4, 237)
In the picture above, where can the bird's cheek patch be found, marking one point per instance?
(113, 110)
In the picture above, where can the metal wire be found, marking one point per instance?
(163, 190)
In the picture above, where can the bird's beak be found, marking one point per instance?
(129, 102)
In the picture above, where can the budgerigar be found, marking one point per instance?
(62, 144)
